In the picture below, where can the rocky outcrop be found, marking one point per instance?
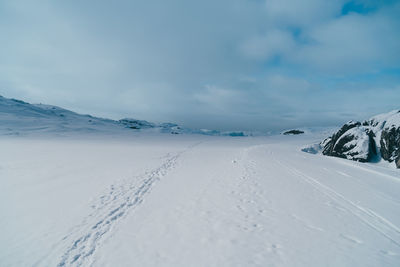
(136, 124)
(352, 141)
(294, 132)
(390, 145)
(378, 137)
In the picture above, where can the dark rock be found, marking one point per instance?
(372, 143)
(293, 132)
(390, 144)
(329, 144)
(352, 141)
(236, 134)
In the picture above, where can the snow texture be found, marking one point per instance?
(191, 200)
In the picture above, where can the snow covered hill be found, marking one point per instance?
(21, 118)
(18, 117)
(369, 141)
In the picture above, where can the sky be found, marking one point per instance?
(226, 64)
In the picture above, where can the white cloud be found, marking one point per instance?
(352, 44)
(266, 47)
(301, 13)
(241, 61)
(218, 99)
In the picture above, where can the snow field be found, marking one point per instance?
(193, 201)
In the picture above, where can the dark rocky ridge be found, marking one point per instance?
(374, 139)
(390, 140)
(294, 132)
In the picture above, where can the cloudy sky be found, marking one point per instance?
(222, 64)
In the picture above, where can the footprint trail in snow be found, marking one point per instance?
(114, 206)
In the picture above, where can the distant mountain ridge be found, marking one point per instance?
(18, 117)
(368, 141)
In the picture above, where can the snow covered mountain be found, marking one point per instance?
(20, 118)
(369, 141)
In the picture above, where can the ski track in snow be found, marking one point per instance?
(367, 216)
(253, 204)
(86, 237)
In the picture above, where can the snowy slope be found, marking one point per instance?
(18, 117)
(385, 120)
(21, 118)
(181, 200)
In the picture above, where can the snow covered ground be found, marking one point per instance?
(191, 200)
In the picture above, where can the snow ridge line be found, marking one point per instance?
(367, 216)
(113, 207)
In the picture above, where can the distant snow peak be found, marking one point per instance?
(374, 139)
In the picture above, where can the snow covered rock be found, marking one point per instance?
(136, 124)
(165, 127)
(390, 136)
(352, 141)
(378, 137)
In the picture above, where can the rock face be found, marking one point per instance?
(352, 141)
(378, 137)
(390, 149)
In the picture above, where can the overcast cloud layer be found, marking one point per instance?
(227, 64)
